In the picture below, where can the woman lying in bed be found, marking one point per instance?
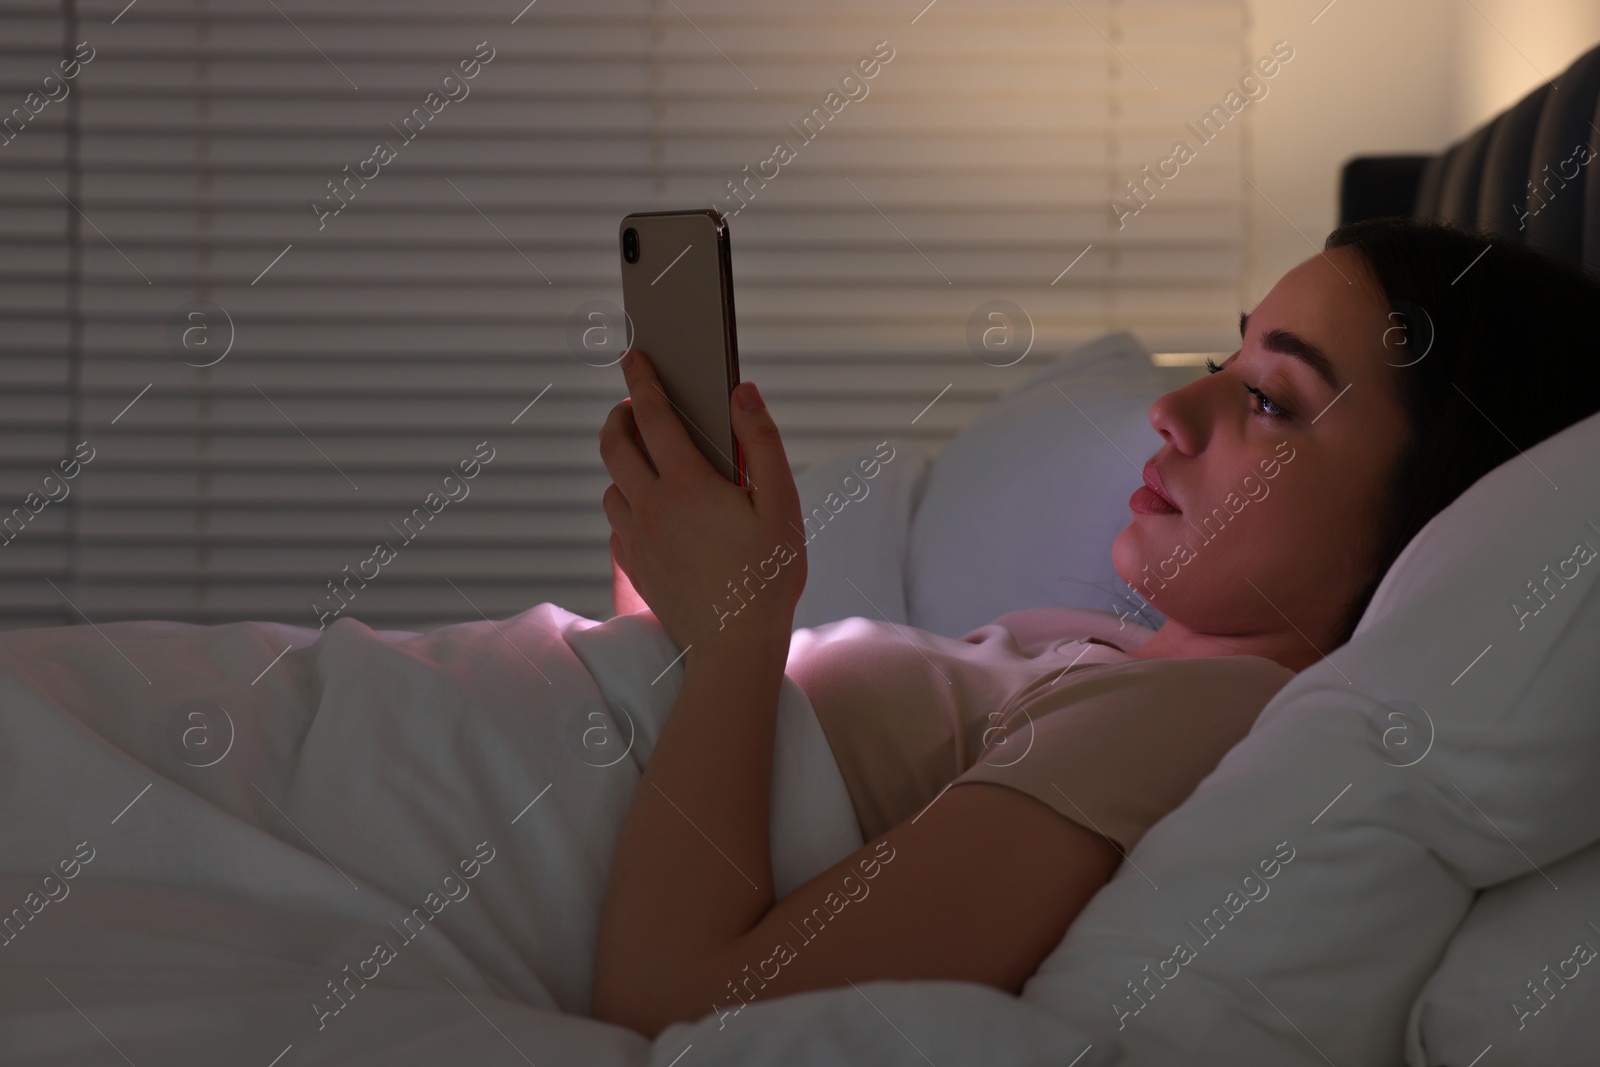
(1375, 383)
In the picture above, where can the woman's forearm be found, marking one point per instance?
(693, 865)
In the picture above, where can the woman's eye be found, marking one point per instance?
(1269, 407)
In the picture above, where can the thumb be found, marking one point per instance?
(766, 464)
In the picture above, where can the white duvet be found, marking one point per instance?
(265, 845)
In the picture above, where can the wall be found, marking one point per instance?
(1371, 77)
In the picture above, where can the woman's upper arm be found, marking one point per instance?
(980, 886)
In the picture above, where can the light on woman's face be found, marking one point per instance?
(1260, 508)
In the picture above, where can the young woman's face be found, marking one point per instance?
(1277, 499)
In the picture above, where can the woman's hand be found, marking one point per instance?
(625, 600)
(707, 556)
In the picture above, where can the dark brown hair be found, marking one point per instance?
(1494, 348)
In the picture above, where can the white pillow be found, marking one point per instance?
(1386, 834)
(1020, 509)
(858, 504)
(1528, 930)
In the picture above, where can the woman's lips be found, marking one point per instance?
(1152, 497)
(1145, 501)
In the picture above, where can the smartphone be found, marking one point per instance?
(677, 291)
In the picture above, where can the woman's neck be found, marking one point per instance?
(1176, 641)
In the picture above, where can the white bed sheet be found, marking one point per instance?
(230, 910)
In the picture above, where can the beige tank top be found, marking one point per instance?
(1048, 701)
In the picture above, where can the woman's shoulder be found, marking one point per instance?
(1159, 697)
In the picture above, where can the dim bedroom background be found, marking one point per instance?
(311, 338)
(224, 783)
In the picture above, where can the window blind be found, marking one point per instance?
(291, 271)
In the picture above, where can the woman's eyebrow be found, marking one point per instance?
(1288, 343)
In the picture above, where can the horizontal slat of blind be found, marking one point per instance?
(35, 337)
(371, 355)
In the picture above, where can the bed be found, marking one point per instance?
(266, 844)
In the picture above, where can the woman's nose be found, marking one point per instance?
(1181, 418)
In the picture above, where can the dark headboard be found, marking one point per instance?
(1531, 173)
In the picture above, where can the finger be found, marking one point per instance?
(633, 428)
(619, 513)
(623, 454)
(766, 463)
(666, 439)
(617, 567)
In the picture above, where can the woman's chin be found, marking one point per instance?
(1125, 553)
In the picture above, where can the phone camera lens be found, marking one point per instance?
(630, 245)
